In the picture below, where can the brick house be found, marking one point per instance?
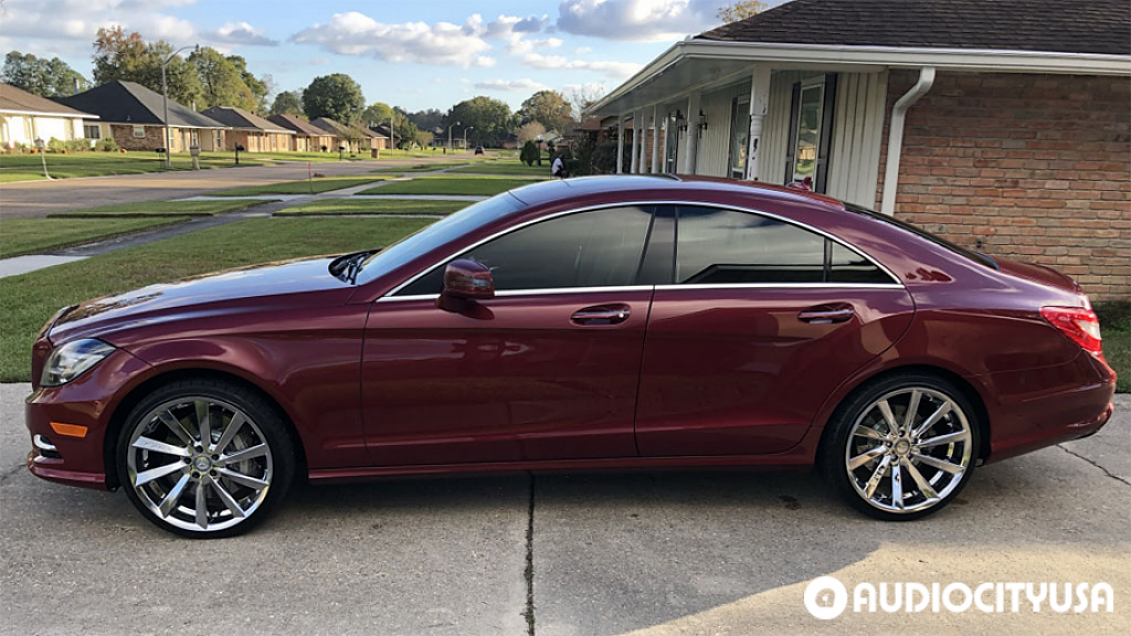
(307, 137)
(250, 131)
(354, 139)
(1005, 125)
(134, 117)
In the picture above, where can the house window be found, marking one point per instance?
(91, 131)
(139, 131)
(194, 139)
(219, 140)
(808, 133)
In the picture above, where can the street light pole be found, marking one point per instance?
(450, 134)
(465, 136)
(165, 96)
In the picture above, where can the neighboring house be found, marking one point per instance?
(376, 139)
(134, 117)
(352, 138)
(307, 137)
(1002, 125)
(25, 117)
(510, 142)
(252, 132)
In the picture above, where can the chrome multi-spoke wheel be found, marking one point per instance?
(904, 448)
(202, 463)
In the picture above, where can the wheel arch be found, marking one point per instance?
(136, 394)
(861, 383)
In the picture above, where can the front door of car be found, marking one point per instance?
(762, 320)
(547, 369)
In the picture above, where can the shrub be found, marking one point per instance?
(56, 145)
(108, 145)
(78, 145)
(529, 153)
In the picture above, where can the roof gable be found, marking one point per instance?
(1061, 26)
(123, 102)
(14, 99)
(298, 124)
(240, 118)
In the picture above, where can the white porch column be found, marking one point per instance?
(642, 162)
(656, 140)
(691, 146)
(620, 143)
(759, 102)
(635, 143)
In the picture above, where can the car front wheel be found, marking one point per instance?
(903, 447)
(205, 459)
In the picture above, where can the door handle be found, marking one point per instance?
(601, 315)
(827, 314)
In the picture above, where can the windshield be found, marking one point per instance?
(437, 234)
(977, 257)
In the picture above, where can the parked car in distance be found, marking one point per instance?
(479, 150)
(628, 321)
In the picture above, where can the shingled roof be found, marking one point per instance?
(240, 118)
(299, 125)
(122, 102)
(17, 100)
(1060, 26)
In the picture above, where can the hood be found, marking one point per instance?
(1039, 274)
(196, 296)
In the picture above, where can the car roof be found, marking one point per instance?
(665, 187)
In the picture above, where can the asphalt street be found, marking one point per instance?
(659, 554)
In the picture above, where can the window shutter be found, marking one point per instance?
(827, 119)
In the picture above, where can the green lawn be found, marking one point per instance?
(442, 184)
(508, 167)
(374, 206)
(28, 300)
(302, 186)
(1115, 327)
(424, 167)
(96, 164)
(162, 208)
(35, 236)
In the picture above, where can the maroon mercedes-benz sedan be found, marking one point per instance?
(592, 323)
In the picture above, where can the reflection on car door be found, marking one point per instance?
(548, 369)
(762, 319)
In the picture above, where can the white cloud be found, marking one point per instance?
(442, 43)
(612, 70)
(582, 50)
(241, 33)
(524, 84)
(637, 20)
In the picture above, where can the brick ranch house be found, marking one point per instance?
(134, 117)
(250, 131)
(1004, 126)
(307, 137)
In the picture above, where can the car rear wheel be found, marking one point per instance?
(903, 447)
(205, 459)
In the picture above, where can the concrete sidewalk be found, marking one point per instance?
(658, 554)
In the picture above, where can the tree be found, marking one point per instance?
(287, 103)
(49, 78)
(740, 10)
(376, 113)
(427, 119)
(335, 96)
(259, 87)
(221, 82)
(549, 108)
(489, 119)
(529, 131)
(126, 56)
(529, 153)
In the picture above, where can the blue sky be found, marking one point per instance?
(412, 53)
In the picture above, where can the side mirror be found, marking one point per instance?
(465, 280)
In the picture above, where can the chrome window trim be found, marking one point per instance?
(781, 286)
(896, 282)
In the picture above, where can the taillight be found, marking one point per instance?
(1079, 324)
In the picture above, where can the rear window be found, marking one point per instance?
(977, 257)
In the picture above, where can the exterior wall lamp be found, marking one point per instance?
(702, 124)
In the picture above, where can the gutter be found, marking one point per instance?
(895, 136)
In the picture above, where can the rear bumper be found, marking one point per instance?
(1044, 407)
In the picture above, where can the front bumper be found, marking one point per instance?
(59, 453)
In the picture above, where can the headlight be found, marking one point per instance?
(70, 360)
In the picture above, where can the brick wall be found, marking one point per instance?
(124, 137)
(1028, 167)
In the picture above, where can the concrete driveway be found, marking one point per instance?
(673, 553)
(26, 199)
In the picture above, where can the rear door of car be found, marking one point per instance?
(759, 321)
(548, 369)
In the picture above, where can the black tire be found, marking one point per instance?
(268, 424)
(834, 450)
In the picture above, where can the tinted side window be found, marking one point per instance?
(588, 249)
(846, 266)
(724, 246)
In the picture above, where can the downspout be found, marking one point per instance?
(895, 136)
